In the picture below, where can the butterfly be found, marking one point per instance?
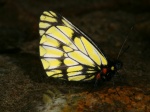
(69, 54)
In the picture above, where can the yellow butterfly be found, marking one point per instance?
(68, 53)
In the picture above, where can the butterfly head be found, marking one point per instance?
(117, 65)
(109, 71)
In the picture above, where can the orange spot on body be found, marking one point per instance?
(98, 76)
(104, 70)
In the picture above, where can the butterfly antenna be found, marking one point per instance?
(121, 49)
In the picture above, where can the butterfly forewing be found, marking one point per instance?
(66, 52)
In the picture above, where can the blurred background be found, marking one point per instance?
(23, 83)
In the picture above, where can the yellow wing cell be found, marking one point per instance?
(93, 54)
(76, 78)
(81, 58)
(74, 68)
(42, 50)
(45, 63)
(50, 63)
(50, 13)
(67, 49)
(41, 32)
(80, 45)
(55, 73)
(49, 41)
(70, 62)
(89, 78)
(44, 25)
(47, 13)
(53, 52)
(103, 59)
(47, 18)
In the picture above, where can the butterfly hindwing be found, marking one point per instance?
(66, 52)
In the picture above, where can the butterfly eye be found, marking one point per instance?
(118, 65)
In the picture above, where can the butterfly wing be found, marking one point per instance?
(66, 52)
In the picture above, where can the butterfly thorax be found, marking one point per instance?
(107, 72)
